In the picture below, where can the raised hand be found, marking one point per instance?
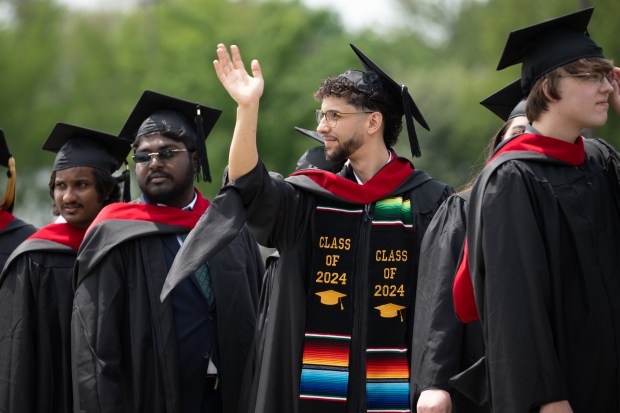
(242, 87)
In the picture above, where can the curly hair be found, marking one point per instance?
(377, 100)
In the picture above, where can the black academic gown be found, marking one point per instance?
(280, 214)
(36, 295)
(125, 352)
(13, 234)
(544, 256)
(445, 346)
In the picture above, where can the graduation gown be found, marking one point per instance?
(280, 214)
(544, 255)
(13, 231)
(444, 345)
(36, 295)
(125, 352)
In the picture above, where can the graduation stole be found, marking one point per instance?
(361, 278)
(5, 218)
(65, 234)
(571, 153)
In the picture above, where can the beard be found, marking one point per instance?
(171, 195)
(344, 150)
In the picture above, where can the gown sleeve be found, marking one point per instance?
(95, 343)
(276, 211)
(437, 333)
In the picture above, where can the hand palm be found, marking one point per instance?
(242, 87)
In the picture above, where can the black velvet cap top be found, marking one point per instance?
(506, 103)
(77, 146)
(175, 118)
(376, 79)
(314, 158)
(311, 134)
(548, 45)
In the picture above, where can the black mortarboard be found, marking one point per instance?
(76, 146)
(398, 92)
(506, 103)
(175, 118)
(548, 45)
(6, 160)
(5, 154)
(311, 134)
(314, 158)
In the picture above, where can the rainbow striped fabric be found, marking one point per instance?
(325, 373)
(387, 385)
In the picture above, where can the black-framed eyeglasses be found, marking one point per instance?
(162, 155)
(594, 77)
(332, 116)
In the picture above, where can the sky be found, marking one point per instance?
(355, 14)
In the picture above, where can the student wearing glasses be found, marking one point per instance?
(544, 233)
(131, 351)
(36, 289)
(337, 333)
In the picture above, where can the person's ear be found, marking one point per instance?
(545, 89)
(375, 122)
(195, 161)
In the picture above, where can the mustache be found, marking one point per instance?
(71, 205)
(158, 174)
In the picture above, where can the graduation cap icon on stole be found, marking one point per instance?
(548, 45)
(390, 310)
(397, 92)
(331, 297)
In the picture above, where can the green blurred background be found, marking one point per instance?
(89, 66)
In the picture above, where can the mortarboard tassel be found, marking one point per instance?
(203, 160)
(413, 138)
(125, 177)
(9, 194)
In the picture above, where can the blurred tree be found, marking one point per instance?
(89, 68)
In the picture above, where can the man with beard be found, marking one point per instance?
(337, 336)
(13, 231)
(132, 352)
(36, 291)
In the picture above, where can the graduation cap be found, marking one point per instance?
(311, 134)
(314, 158)
(397, 92)
(390, 310)
(506, 103)
(7, 160)
(331, 297)
(548, 45)
(77, 146)
(175, 118)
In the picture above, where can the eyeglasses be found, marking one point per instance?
(162, 155)
(594, 77)
(332, 116)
